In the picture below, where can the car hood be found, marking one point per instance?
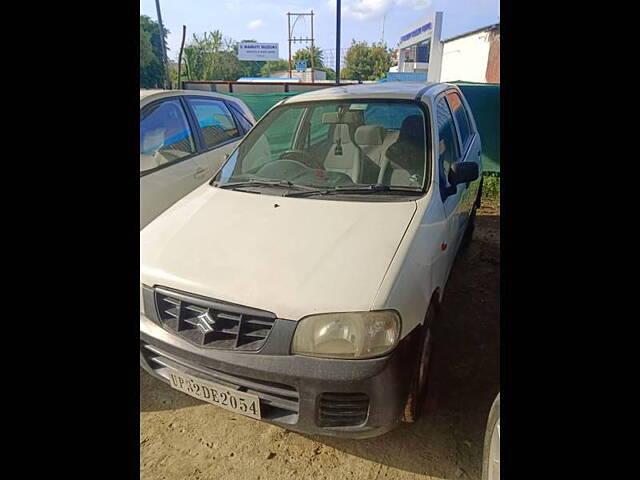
(290, 256)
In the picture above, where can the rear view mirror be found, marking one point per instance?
(463, 172)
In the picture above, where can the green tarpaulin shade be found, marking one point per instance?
(483, 98)
(260, 103)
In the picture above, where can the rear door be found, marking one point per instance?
(168, 163)
(218, 130)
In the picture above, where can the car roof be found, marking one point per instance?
(172, 93)
(391, 90)
(146, 92)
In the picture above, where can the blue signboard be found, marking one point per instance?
(417, 31)
(301, 65)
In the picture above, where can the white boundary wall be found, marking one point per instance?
(466, 58)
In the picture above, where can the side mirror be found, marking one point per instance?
(463, 172)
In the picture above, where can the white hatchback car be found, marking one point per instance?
(185, 136)
(301, 284)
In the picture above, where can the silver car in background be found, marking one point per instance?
(185, 136)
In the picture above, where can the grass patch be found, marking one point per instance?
(491, 186)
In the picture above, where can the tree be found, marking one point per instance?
(305, 54)
(213, 58)
(331, 73)
(146, 50)
(364, 62)
(274, 66)
(152, 71)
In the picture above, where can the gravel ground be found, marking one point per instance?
(183, 438)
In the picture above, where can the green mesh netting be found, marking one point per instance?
(260, 103)
(485, 104)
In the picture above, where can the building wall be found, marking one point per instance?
(303, 76)
(493, 64)
(466, 58)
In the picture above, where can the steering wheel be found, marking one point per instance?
(300, 155)
(291, 155)
(293, 168)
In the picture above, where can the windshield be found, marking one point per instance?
(337, 144)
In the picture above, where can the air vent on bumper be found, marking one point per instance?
(343, 409)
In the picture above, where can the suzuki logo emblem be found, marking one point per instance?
(204, 322)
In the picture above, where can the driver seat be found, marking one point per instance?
(343, 155)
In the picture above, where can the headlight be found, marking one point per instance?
(347, 335)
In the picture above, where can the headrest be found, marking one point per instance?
(347, 117)
(369, 135)
(152, 140)
(412, 130)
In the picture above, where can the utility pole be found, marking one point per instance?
(338, 43)
(313, 77)
(167, 79)
(184, 32)
(301, 39)
(289, 36)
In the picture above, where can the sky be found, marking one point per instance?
(266, 20)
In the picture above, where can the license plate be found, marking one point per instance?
(239, 402)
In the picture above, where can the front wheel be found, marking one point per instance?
(418, 389)
(491, 453)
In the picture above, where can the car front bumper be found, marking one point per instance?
(299, 393)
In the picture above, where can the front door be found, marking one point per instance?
(448, 154)
(168, 166)
(469, 151)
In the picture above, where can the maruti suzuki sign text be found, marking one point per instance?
(260, 52)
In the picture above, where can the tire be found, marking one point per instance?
(471, 226)
(491, 451)
(418, 390)
(471, 223)
(479, 197)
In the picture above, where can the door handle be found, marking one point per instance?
(201, 172)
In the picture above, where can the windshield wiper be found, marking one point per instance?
(357, 189)
(255, 181)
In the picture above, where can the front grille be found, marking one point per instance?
(278, 402)
(343, 409)
(211, 323)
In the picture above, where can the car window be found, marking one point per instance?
(447, 142)
(390, 119)
(165, 135)
(269, 144)
(460, 114)
(215, 121)
(325, 153)
(319, 131)
(242, 120)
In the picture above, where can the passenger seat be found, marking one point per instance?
(370, 139)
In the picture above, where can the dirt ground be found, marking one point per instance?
(183, 438)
